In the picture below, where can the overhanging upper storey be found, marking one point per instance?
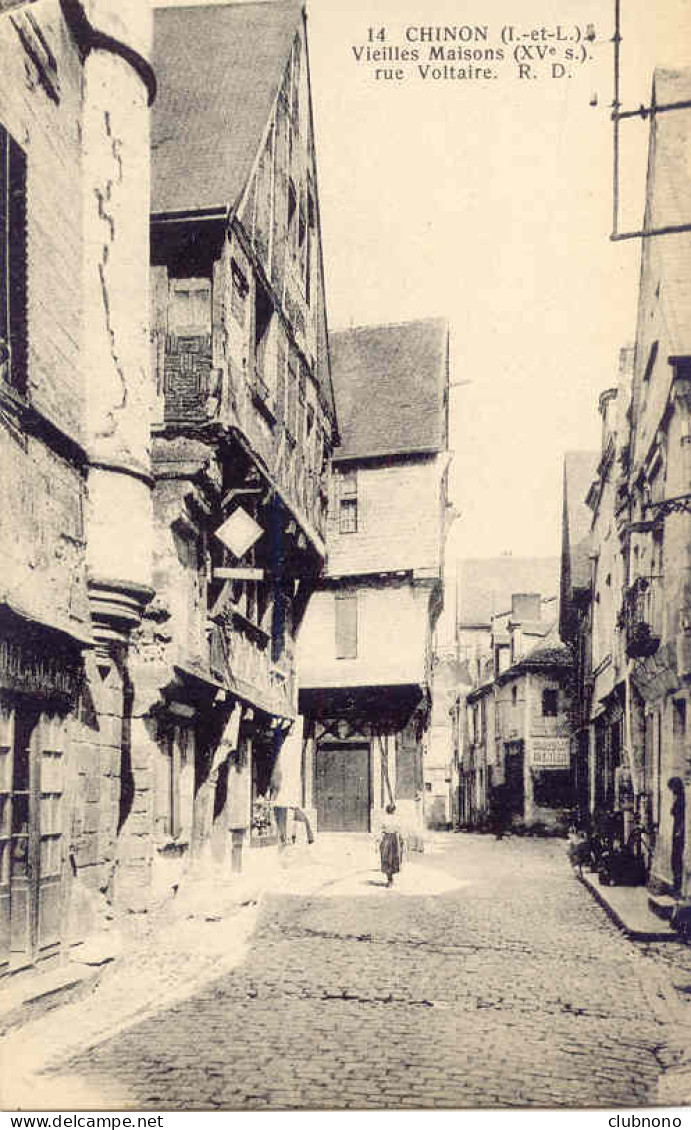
(240, 329)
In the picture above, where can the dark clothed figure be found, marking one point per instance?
(390, 845)
(678, 814)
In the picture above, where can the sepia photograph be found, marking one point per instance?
(345, 559)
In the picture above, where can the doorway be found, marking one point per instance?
(31, 776)
(514, 778)
(342, 788)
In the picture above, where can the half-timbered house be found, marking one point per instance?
(365, 650)
(245, 423)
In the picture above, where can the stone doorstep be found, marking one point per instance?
(32, 988)
(629, 910)
(663, 906)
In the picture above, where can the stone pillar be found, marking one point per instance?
(116, 314)
(115, 39)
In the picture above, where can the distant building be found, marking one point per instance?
(441, 762)
(365, 648)
(516, 755)
(485, 586)
(580, 468)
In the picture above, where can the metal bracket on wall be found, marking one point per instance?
(680, 504)
(619, 115)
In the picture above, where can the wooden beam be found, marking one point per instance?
(238, 573)
(237, 492)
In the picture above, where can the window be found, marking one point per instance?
(13, 320)
(514, 696)
(178, 752)
(292, 219)
(190, 307)
(550, 703)
(263, 313)
(302, 235)
(347, 508)
(346, 625)
(295, 107)
(191, 595)
(292, 395)
(302, 407)
(281, 377)
(239, 292)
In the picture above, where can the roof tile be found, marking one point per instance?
(218, 69)
(389, 383)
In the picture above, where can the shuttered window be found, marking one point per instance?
(346, 625)
(12, 262)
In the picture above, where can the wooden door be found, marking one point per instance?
(49, 749)
(515, 785)
(6, 771)
(31, 754)
(23, 861)
(342, 788)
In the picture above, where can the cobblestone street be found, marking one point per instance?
(488, 977)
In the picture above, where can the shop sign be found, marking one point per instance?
(24, 669)
(551, 753)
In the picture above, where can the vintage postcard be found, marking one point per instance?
(345, 564)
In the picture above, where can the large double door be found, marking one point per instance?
(342, 788)
(31, 834)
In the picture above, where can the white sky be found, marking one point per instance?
(490, 203)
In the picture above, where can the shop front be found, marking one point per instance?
(40, 677)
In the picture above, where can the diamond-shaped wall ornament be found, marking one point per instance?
(239, 532)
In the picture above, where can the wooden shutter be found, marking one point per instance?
(13, 297)
(346, 625)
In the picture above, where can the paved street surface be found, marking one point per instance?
(487, 977)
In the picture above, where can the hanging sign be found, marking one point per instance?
(551, 753)
(239, 532)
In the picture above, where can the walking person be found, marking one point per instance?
(390, 844)
(678, 814)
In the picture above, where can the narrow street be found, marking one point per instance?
(487, 978)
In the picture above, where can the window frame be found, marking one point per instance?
(550, 694)
(13, 265)
(346, 631)
(348, 503)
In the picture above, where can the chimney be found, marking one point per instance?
(525, 606)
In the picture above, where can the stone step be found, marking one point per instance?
(663, 906)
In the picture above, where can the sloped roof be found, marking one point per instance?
(579, 471)
(218, 69)
(389, 383)
(533, 627)
(550, 652)
(486, 584)
(669, 203)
